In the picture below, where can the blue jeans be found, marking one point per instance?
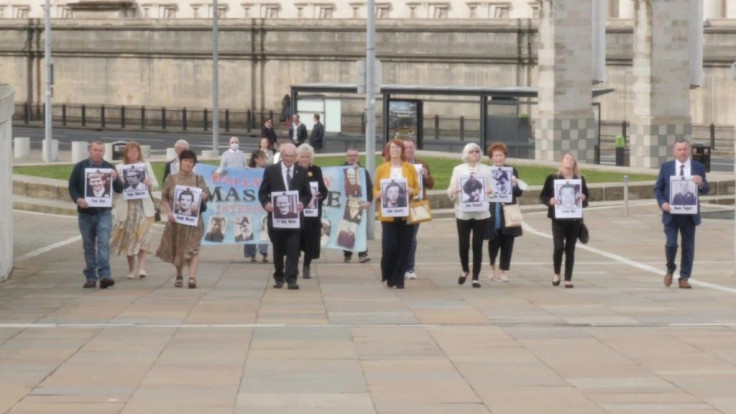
(412, 249)
(95, 230)
(249, 250)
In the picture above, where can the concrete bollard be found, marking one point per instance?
(146, 151)
(79, 151)
(21, 147)
(108, 152)
(54, 150)
(210, 155)
(170, 154)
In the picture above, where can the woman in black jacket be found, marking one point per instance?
(312, 227)
(501, 236)
(564, 230)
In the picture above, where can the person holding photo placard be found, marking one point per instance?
(397, 234)
(689, 171)
(469, 223)
(312, 228)
(134, 218)
(564, 230)
(95, 223)
(502, 236)
(180, 242)
(359, 197)
(426, 182)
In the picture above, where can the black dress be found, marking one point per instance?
(312, 228)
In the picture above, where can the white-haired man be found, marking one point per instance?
(172, 167)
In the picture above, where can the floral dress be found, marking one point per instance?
(180, 242)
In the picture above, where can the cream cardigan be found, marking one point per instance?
(120, 211)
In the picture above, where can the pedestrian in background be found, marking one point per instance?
(316, 138)
(172, 167)
(427, 183)
(233, 157)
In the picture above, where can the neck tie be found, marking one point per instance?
(288, 178)
(682, 170)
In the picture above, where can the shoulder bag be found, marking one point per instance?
(512, 216)
(202, 204)
(419, 212)
(583, 233)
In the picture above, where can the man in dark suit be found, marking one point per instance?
(316, 138)
(284, 176)
(685, 197)
(172, 167)
(268, 132)
(685, 224)
(297, 131)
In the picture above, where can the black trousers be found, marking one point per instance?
(478, 228)
(395, 243)
(285, 244)
(505, 244)
(565, 236)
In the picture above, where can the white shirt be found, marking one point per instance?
(284, 171)
(294, 136)
(465, 169)
(175, 166)
(687, 167)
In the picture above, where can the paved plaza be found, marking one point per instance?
(619, 342)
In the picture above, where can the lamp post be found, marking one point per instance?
(370, 101)
(215, 83)
(48, 153)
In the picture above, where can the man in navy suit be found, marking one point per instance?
(284, 176)
(685, 224)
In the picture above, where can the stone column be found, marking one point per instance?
(731, 9)
(7, 99)
(565, 121)
(625, 9)
(661, 89)
(713, 9)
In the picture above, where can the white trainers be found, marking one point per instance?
(131, 275)
(410, 275)
(503, 277)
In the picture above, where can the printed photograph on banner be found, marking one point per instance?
(186, 204)
(263, 234)
(683, 195)
(394, 197)
(243, 229)
(353, 210)
(215, 232)
(134, 176)
(324, 237)
(346, 234)
(569, 203)
(419, 168)
(98, 187)
(285, 209)
(473, 193)
(501, 184)
(312, 210)
(352, 182)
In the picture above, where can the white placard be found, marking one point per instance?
(312, 209)
(683, 195)
(568, 195)
(473, 193)
(420, 178)
(394, 197)
(98, 187)
(133, 177)
(186, 204)
(501, 184)
(285, 209)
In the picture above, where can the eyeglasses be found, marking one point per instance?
(474, 151)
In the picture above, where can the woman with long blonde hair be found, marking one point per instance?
(131, 234)
(564, 230)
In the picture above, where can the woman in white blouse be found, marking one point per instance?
(471, 217)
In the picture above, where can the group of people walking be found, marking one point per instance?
(130, 235)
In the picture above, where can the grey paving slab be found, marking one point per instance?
(618, 343)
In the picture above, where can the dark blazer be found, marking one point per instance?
(509, 231)
(314, 173)
(76, 184)
(548, 193)
(317, 136)
(167, 170)
(273, 181)
(301, 134)
(662, 187)
(271, 135)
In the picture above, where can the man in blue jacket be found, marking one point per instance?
(681, 166)
(95, 223)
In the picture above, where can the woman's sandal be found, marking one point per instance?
(556, 280)
(569, 285)
(142, 274)
(179, 281)
(192, 283)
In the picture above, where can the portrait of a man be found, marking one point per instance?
(568, 197)
(501, 181)
(394, 195)
(352, 183)
(98, 185)
(185, 204)
(243, 229)
(472, 190)
(216, 230)
(685, 195)
(134, 178)
(285, 209)
(353, 210)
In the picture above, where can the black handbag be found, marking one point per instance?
(583, 233)
(202, 204)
